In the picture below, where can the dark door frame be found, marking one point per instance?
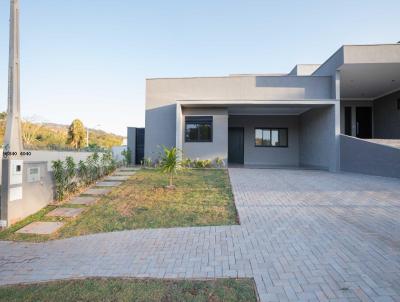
(367, 127)
(242, 129)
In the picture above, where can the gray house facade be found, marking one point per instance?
(309, 117)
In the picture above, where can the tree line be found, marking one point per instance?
(55, 136)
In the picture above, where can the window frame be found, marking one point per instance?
(211, 118)
(271, 129)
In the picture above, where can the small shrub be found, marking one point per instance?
(170, 163)
(70, 169)
(187, 163)
(146, 162)
(83, 173)
(127, 154)
(201, 164)
(219, 162)
(60, 178)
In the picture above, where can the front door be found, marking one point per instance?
(139, 152)
(364, 122)
(235, 145)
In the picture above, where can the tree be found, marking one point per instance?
(30, 132)
(170, 163)
(76, 134)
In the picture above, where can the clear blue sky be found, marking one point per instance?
(89, 59)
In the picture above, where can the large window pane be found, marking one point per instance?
(283, 138)
(259, 137)
(265, 137)
(274, 137)
(198, 129)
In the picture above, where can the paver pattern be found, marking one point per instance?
(304, 236)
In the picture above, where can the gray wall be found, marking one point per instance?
(366, 157)
(387, 117)
(269, 156)
(160, 128)
(317, 138)
(219, 145)
(35, 196)
(162, 94)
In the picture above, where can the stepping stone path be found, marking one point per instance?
(96, 191)
(124, 173)
(128, 169)
(65, 212)
(116, 178)
(83, 200)
(41, 228)
(108, 183)
(48, 227)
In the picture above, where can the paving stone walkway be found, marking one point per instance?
(304, 236)
(94, 192)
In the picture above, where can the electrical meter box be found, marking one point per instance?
(16, 172)
(33, 174)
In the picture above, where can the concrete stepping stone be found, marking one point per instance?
(65, 212)
(108, 183)
(116, 178)
(41, 228)
(96, 191)
(83, 200)
(124, 173)
(128, 169)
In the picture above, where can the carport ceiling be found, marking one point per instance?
(368, 81)
(267, 110)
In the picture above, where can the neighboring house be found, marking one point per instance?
(306, 118)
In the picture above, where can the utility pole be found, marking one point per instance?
(12, 165)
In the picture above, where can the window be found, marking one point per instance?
(271, 137)
(198, 128)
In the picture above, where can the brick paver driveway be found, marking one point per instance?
(304, 235)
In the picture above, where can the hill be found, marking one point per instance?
(54, 136)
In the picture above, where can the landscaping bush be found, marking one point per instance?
(146, 162)
(202, 163)
(69, 177)
(170, 163)
(186, 163)
(219, 162)
(127, 154)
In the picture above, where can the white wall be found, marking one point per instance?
(49, 156)
(117, 152)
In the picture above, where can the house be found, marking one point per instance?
(343, 114)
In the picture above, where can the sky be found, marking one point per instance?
(89, 59)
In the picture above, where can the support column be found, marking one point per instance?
(179, 129)
(12, 165)
(336, 158)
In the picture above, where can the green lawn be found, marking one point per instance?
(115, 289)
(201, 197)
